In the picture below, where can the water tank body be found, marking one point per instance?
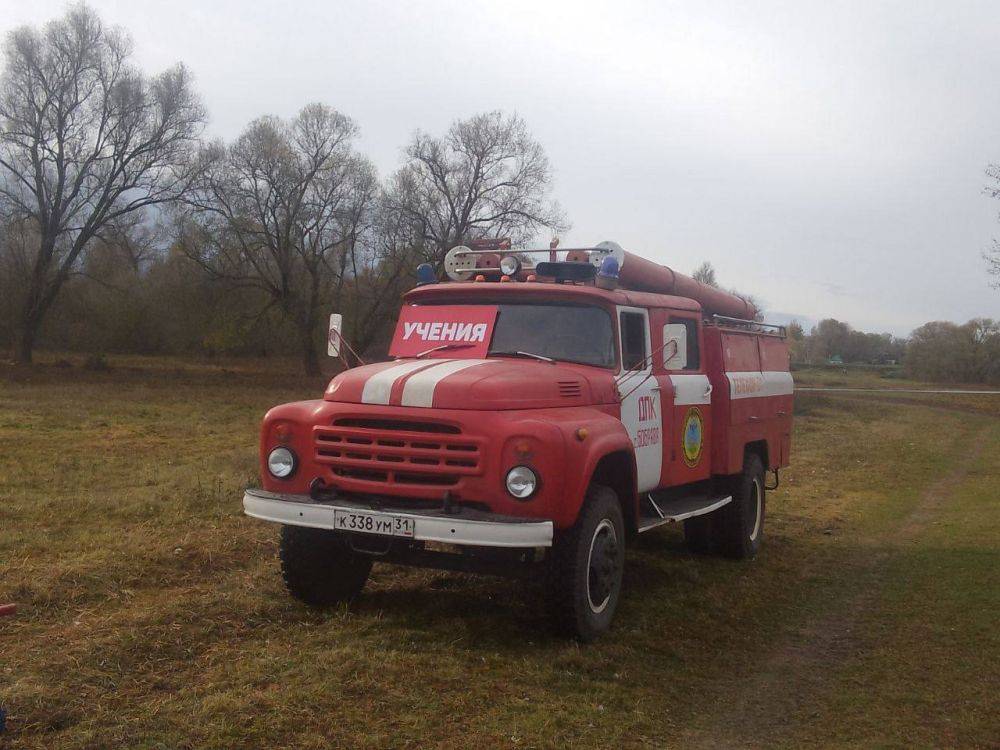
(641, 275)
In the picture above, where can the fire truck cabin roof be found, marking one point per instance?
(457, 293)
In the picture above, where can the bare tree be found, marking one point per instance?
(383, 273)
(992, 256)
(487, 176)
(705, 273)
(949, 352)
(285, 209)
(85, 140)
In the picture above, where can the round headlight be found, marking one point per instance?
(281, 463)
(521, 482)
(509, 265)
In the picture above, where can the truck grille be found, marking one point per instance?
(395, 452)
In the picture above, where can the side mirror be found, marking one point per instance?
(675, 349)
(334, 337)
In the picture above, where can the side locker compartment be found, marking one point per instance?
(741, 359)
(774, 367)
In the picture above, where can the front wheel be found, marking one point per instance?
(319, 567)
(585, 567)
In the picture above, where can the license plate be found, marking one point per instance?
(366, 522)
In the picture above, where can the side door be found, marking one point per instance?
(691, 417)
(639, 392)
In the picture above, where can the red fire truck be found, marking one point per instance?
(536, 416)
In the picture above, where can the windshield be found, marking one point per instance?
(572, 333)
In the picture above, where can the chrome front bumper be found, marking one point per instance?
(466, 526)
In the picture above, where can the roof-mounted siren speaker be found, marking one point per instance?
(460, 263)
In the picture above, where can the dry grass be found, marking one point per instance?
(153, 615)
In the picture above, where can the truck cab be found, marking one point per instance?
(531, 423)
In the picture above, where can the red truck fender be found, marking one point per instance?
(598, 449)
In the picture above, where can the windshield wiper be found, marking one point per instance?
(442, 348)
(525, 354)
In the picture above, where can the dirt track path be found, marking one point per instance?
(762, 708)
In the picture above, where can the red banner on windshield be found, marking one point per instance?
(460, 331)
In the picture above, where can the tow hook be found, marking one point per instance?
(777, 482)
(318, 490)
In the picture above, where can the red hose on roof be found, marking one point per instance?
(641, 275)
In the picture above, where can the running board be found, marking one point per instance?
(677, 510)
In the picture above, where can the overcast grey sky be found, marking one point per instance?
(826, 157)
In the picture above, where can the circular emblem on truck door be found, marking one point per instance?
(692, 436)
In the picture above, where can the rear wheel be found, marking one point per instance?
(319, 568)
(740, 523)
(585, 567)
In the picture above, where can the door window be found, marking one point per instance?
(633, 332)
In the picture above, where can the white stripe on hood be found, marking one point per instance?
(419, 389)
(379, 386)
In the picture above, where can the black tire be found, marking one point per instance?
(740, 524)
(699, 534)
(319, 568)
(585, 568)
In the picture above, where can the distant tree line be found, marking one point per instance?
(836, 341)
(123, 229)
(947, 352)
(938, 351)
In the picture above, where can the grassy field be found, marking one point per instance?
(152, 613)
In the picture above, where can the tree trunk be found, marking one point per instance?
(34, 308)
(310, 357)
(24, 343)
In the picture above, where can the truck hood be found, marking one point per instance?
(486, 384)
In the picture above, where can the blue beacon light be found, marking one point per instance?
(425, 274)
(607, 276)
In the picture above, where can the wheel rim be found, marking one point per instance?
(757, 502)
(603, 566)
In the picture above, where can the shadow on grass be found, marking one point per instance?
(663, 584)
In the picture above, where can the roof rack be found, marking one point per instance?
(772, 329)
(488, 251)
(488, 258)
